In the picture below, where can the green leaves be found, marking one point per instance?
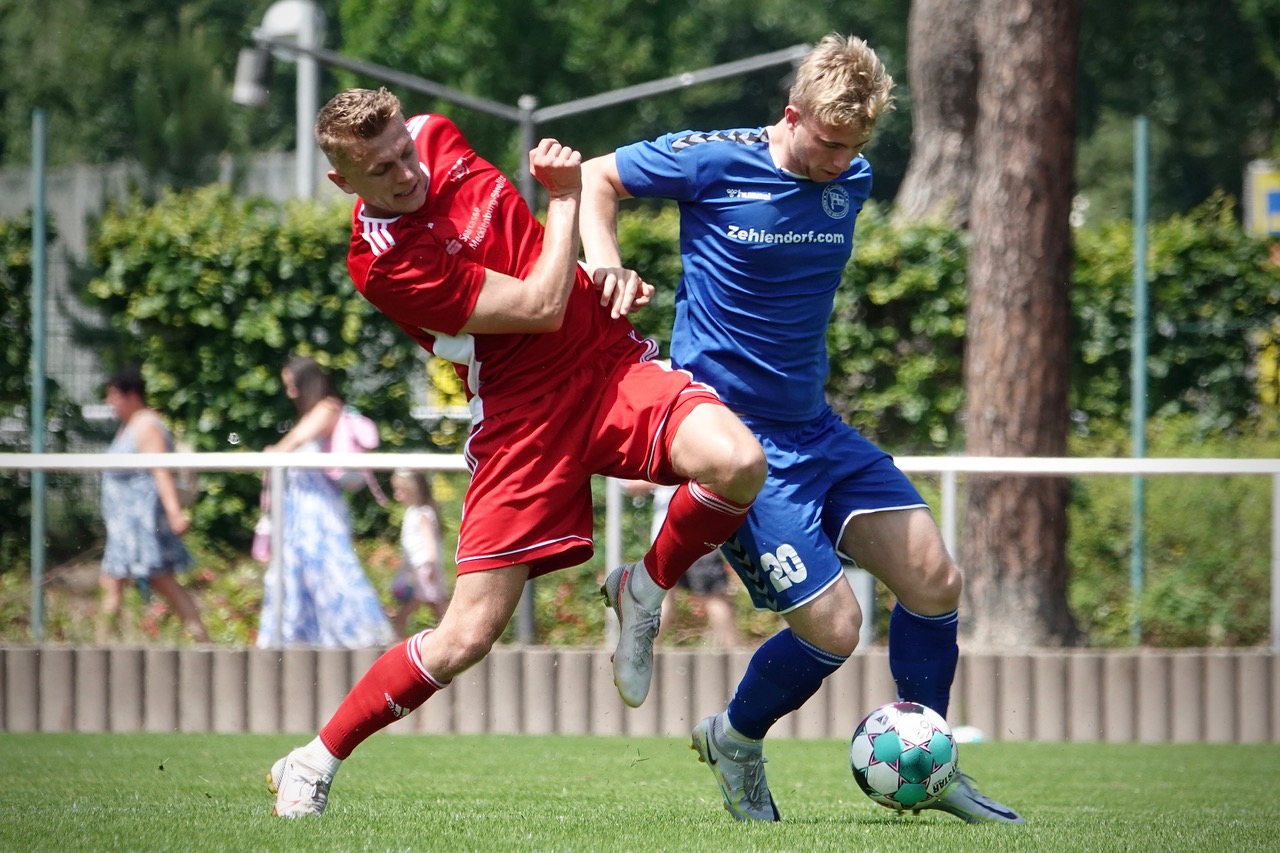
(896, 337)
(211, 293)
(1185, 602)
(1213, 298)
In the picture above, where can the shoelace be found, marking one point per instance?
(318, 787)
(753, 784)
(645, 629)
(754, 787)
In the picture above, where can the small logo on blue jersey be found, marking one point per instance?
(750, 195)
(835, 201)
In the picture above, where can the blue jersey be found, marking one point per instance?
(763, 251)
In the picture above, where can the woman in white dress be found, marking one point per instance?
(421, 577)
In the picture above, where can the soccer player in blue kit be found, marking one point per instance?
(766, 229)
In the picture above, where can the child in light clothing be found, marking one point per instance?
(421, 576)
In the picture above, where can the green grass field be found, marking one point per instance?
(73, 792)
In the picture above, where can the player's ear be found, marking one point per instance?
(340, 182)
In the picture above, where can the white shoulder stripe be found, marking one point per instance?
(415, 124)
(377, 235)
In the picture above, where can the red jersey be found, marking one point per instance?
(424, 271)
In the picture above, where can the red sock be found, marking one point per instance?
(393, 686)
(697, 523)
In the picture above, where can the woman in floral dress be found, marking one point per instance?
(328, 601)
(143, 516)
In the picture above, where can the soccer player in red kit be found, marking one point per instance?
(560, 388)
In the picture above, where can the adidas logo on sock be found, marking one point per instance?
(396, 709)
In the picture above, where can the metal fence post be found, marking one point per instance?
(278, 476)
(1275, 562)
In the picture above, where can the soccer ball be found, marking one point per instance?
(903, 755)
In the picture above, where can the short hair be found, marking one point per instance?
(352, 117)
(129, 380)
(842, 82)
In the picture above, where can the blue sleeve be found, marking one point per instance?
(656, 170)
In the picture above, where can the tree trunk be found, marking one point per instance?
(1014, 544)
(942, 69)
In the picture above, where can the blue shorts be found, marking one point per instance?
(821, 475)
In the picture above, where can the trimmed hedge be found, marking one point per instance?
(211, 292)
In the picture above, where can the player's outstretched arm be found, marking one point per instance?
(601, 191)
(537, 303)
(620, 288)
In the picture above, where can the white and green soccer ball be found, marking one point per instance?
(903, 755)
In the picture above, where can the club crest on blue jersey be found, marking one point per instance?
(835, 201)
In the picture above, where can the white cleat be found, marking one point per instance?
(637, 627)
(965, 801)
(301, 790)
(739, 771)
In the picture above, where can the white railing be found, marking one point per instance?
(949, 467)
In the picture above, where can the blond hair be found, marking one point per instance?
(351, 118)
(418, 485)
(842, 82)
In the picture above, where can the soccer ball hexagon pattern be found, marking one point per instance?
(903, 755)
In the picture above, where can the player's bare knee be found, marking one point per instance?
(832, 623)
(737, 471)
(748, 468)
(456, 647)
(472, 646)
(941, 591)
(836, 637)
(845, 639)
(953, 586)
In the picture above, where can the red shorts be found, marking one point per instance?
(529, 501)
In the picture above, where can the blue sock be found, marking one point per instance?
(923, 655)
(782, 675)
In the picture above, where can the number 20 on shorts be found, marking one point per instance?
(784, 567)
